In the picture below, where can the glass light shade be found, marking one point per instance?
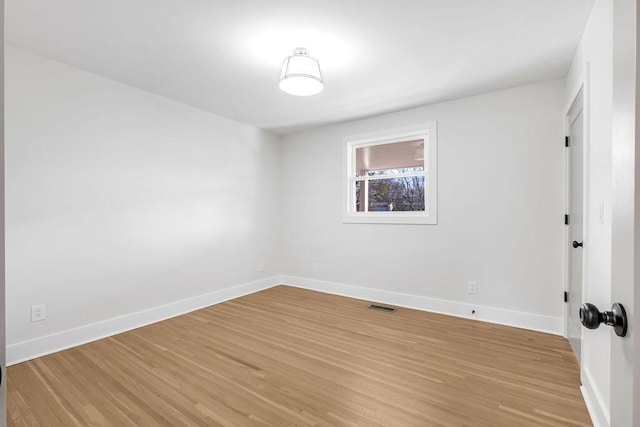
(300, 74)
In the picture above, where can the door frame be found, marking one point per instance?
(581, 88)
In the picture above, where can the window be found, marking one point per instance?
(391, 176)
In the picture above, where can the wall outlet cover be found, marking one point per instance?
(38, 313)
(472, 288)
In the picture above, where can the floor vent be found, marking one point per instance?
(382, 308)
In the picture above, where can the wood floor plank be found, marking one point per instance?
(293, 357)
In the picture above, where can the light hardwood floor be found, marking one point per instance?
(292, 357)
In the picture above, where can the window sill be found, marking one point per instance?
(370, 218)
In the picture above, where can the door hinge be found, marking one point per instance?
(566, 219)
(566, 141)
(566, 296)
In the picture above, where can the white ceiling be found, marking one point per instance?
(376, 55)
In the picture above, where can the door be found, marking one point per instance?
(625, 216)
(3, 387)
(574, 291)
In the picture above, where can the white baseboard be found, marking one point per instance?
(600, 416)
(536, 322)
(48, 344)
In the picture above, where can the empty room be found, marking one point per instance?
(327, 213)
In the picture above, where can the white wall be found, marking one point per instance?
(119, 200)
(500, 207)
(595, 53)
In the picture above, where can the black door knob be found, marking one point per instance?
(577, 244)
(591, 317)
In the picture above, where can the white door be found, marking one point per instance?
(625, 220)
(3, 388)
(574, 291)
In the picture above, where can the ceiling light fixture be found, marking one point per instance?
(300, 74)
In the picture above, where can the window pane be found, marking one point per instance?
(390, 158)
(359, 196)
(397, 194)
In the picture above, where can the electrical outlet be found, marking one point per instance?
(260, 266)
(315, 267)
(38, 313)
(472, 288)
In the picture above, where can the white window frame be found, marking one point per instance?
(426, 131)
